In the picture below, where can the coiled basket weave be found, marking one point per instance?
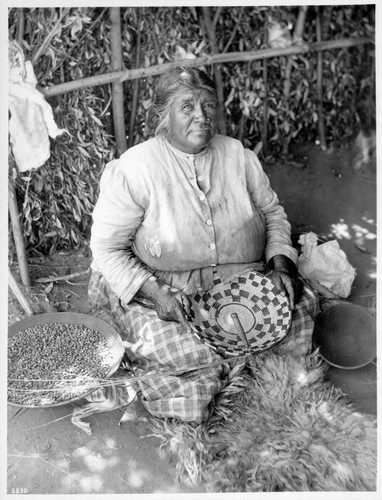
(246, 314)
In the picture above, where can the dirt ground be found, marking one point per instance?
(321, 192)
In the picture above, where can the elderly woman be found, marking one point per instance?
(174, 213)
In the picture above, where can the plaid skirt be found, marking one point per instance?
(159, 347)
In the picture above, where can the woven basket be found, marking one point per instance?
(244, 315)
(113, 340)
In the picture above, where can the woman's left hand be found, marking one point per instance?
(284, 275)
(283, 282)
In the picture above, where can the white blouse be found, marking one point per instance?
(162, 211)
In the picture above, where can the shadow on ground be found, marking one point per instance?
(322, 193)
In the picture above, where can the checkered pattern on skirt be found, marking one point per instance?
(156, 346)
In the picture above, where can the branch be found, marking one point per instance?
(62, 278)
(297, 38)
(77, 43)
(18, 234)
(47, 40)
(321, 123)
(299, 29)
(264, 134)
(210, 29)
(134, 100)
(216, 16)
(132, 74)
(23, 301)
(20, 27)
(234, 30)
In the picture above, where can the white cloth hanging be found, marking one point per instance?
(31, 117)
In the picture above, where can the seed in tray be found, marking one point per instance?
(55, 362)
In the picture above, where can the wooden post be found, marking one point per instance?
(20, 26)
(134, 101)
(321, 123)
(117, 87)
(264, 134)
(18, 235)
(23, 301)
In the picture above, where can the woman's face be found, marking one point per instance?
(193, 120)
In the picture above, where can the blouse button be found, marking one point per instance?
(202, 197)
(212, 246)
(209, 222)
(200, 178)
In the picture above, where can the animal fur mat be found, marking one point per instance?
(276, 426)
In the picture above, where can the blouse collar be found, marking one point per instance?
(182, 153)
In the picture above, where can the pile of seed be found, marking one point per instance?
(55, 362)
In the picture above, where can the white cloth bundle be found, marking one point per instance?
(325, 266)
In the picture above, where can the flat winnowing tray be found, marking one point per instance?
(110, 355)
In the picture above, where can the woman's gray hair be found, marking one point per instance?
(170, 85)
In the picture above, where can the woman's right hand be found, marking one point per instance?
(172, 304)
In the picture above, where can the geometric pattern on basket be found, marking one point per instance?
(264, 314)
